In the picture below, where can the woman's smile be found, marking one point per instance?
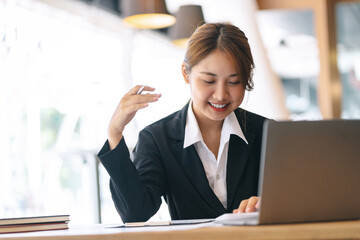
(219, 107)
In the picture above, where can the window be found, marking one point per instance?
(61, 77)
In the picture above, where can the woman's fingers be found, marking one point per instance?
(134, 96)
(129, 104)
(138, 89)
(257, 206)
(248, 205)
(242, 206)
(251, 206)
(133, 108)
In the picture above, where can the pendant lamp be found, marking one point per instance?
(188, 18)
(146, 14)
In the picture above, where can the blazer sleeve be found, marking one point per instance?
(136, 187)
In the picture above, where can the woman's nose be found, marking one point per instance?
(220, 92)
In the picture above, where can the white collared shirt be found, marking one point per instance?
(215, 169)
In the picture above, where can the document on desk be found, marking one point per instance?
(251, 218)
(167, 223)
(224, 219)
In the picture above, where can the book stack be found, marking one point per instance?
(38, 223)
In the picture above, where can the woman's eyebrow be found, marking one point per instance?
(214, 75)
(209, 73)
(234, 75)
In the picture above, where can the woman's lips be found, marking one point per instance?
(219, 107)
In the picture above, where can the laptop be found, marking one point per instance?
(310, 171)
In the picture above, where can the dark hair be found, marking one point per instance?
(226, 38)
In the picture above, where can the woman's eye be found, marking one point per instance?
(234, 82)
(208, 81)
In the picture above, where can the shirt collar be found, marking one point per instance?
(193, 134)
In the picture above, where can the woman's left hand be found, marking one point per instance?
(248, 205)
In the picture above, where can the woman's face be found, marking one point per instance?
(215, 87)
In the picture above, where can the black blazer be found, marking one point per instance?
(162, 167)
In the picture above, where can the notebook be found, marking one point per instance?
(34, 223)
(310, 171)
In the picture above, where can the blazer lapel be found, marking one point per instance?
(238, 155)
(192, 166)
(191, 163)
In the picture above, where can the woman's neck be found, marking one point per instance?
(211, 133)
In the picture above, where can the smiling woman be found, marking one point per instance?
(216, 92)
(203, 159)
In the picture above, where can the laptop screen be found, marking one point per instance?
(310, 171)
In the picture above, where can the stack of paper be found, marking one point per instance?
(38, 223)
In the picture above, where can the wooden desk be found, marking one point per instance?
(325, 230)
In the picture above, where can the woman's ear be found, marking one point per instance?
(184, 72)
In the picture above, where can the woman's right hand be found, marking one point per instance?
(129, 104)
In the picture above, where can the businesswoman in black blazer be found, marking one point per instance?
(203, 159)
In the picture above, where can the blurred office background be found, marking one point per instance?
(65, 64)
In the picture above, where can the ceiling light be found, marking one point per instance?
(188, 18)
(146, 14)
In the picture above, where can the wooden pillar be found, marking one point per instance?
(329, 84)
(329, 89)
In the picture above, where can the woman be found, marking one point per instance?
(204, 159)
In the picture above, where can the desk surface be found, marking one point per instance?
(324, 230)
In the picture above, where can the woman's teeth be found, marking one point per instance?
(218, 105)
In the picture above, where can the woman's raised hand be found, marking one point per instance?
(129, 104)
